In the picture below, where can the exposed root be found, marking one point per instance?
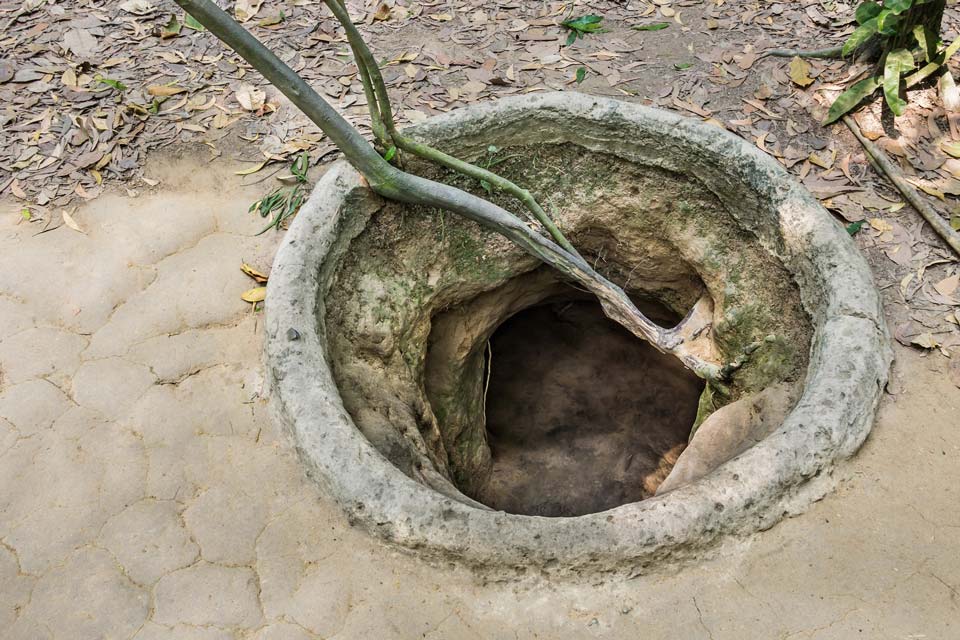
(939, 225)
(395, 184)
(831, 53)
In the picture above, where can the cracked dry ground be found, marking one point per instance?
(146, 493)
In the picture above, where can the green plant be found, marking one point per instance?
(283, 202)
(902, 31)
(581, 26)
(545, 242)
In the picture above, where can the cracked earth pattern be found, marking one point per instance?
(145, 492)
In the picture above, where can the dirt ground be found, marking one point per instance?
(146, 493)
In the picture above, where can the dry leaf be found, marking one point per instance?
(80, 42)
(253, 273)
(257, 294)
(382, 12)
(947, 286)
(250, 98)
(800, 72)
(137, 7)
(70, 222)
(246, 9)
(925, 341)
(253, 169)
(164, 90)
(881, 225)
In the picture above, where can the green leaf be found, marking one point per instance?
(851, 98)
(682, 66)
(580, 26)
(927, 40)
(897, 63)
(867, 10)
(897, 7)
(656, 26)
(588, 23)
(300, 166)
(392, 151)
(116, 84)
(887, 23)
(860, 35)
(955, 222)
(192, 23)
(171, 29)
(854, 227)
(581, 74)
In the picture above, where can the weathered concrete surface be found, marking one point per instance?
(175, 510)
(783, 473)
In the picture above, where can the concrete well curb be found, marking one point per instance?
(848, 365)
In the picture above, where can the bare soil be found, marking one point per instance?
(581, 416)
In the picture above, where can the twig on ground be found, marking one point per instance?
(829, 53)
(941, 226)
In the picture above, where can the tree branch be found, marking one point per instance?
(392, 183)
(940, 226)
(368, 64)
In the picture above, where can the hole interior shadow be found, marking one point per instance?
(581, 415)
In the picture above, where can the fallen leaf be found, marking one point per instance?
(70, 222)
(251, 170)
(382, 12)
(250, 98)
(952, 148)
(947, 286)
(164, 90)
(257, 294)
(253, 273)
(137, 7)
(881, 225)
(80, 42)
(925, 341)
(800, 72)
(246, 9)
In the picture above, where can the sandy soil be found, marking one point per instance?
(145, 492)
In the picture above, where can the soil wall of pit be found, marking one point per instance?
(418, 293)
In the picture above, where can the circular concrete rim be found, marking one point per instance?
(849, 361)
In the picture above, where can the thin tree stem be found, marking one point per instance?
(829, 53)
(394, 184)
(939, 225)
(365, 59)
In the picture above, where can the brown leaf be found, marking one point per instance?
(800, 72)
(81, 42)
(250, 98)
(947, 286)
(382, 13)
(164, 90)
(246, 9)
(70, 222)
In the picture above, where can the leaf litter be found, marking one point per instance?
(89, 93)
